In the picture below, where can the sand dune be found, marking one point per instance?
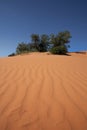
(43, 92)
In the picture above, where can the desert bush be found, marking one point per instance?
(56, 44)
(60, 42)
(61, 50)
(22, 48)
(12, 54)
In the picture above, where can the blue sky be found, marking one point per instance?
(20, 18)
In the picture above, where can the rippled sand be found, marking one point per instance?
(43, 92)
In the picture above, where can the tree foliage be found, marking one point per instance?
(44, 41)
(35, 40)
(61, 50)
(39, 43)
(22, 48)
(58, 44)
(61, 38)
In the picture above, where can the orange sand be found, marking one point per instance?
(43, 92)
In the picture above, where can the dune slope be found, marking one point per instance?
(43, 92)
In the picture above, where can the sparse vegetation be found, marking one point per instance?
(12, 54)
(80, 52)
(22, 48)
(56, 44)
(60, 42)
(61, 50)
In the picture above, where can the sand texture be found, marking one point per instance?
(43, 92)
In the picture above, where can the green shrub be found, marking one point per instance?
(22, 48)
(12, 54)
(61, 50)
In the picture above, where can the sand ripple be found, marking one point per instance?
(43, 92)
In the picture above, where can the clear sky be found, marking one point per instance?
(20, 18)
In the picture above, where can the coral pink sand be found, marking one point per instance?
(43, 92)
